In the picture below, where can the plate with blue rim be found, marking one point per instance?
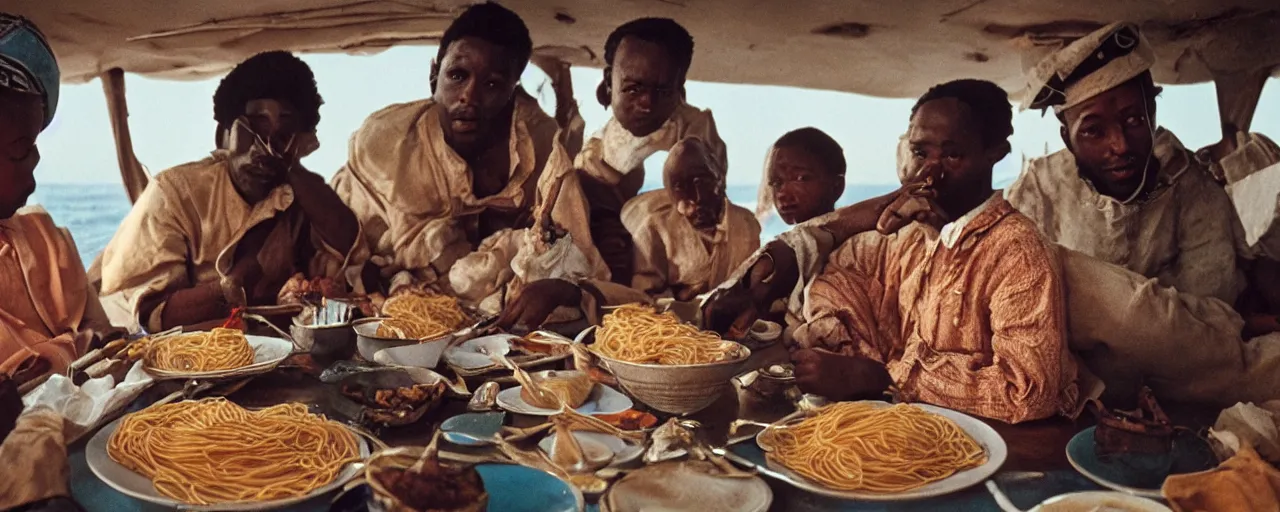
(511, 488)
(1135, 473)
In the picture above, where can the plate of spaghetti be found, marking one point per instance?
(212, 454)
(876, 451)
(218, 353)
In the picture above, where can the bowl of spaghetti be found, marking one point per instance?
(430, 321)
(668, 365)
(212, 454)
(877, 451)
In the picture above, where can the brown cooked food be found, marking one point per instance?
(630, 419)
(1145, 430)
(407, 398)
(438, 487)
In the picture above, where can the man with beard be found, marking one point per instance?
(1125, 190)
(446, 187)
(804, 176)
(230, 230)
(688, 236)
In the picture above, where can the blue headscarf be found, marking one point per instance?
(27, 63)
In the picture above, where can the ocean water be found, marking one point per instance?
(93, 211)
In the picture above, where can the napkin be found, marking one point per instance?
(1243, 482)
(35, 460)
(1245, 423)
(84, 405)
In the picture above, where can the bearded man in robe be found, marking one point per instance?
(230, 230)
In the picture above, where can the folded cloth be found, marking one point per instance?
(1243, 482)
(35, 460)
(84, 405)
(1248, 424)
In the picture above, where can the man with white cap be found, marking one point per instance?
(1125, 190)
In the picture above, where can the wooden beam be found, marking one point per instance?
(135, 177)
(1238, 95)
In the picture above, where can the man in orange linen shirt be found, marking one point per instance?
(968, 316)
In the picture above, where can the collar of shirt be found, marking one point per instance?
(625, 152)
(950, 233)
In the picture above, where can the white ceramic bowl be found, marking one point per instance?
(425, 354)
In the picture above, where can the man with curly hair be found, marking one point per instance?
(231, 229)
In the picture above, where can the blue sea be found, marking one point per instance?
(93, 211)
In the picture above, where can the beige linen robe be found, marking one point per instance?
(672, 257)
(971, 320)
(1185, 233)
(47, 308)
(413, 195)
(183, 231)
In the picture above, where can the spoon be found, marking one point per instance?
(428, 453)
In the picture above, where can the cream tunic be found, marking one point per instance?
(672, 256)
(1184, 233)
(183, 231)
(413, 194)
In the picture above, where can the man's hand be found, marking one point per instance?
(537, 301)
(914, 202)
(838, 377)
(772, 277)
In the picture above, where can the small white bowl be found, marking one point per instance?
(422, 354)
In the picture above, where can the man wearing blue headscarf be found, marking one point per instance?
(49, 314)
(54, 315)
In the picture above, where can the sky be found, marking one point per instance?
(172, 121)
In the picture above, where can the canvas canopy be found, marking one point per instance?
(889, 49)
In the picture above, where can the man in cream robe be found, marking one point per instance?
(428, 199)
(1126, 191)
(688, 237)
(231, 229)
